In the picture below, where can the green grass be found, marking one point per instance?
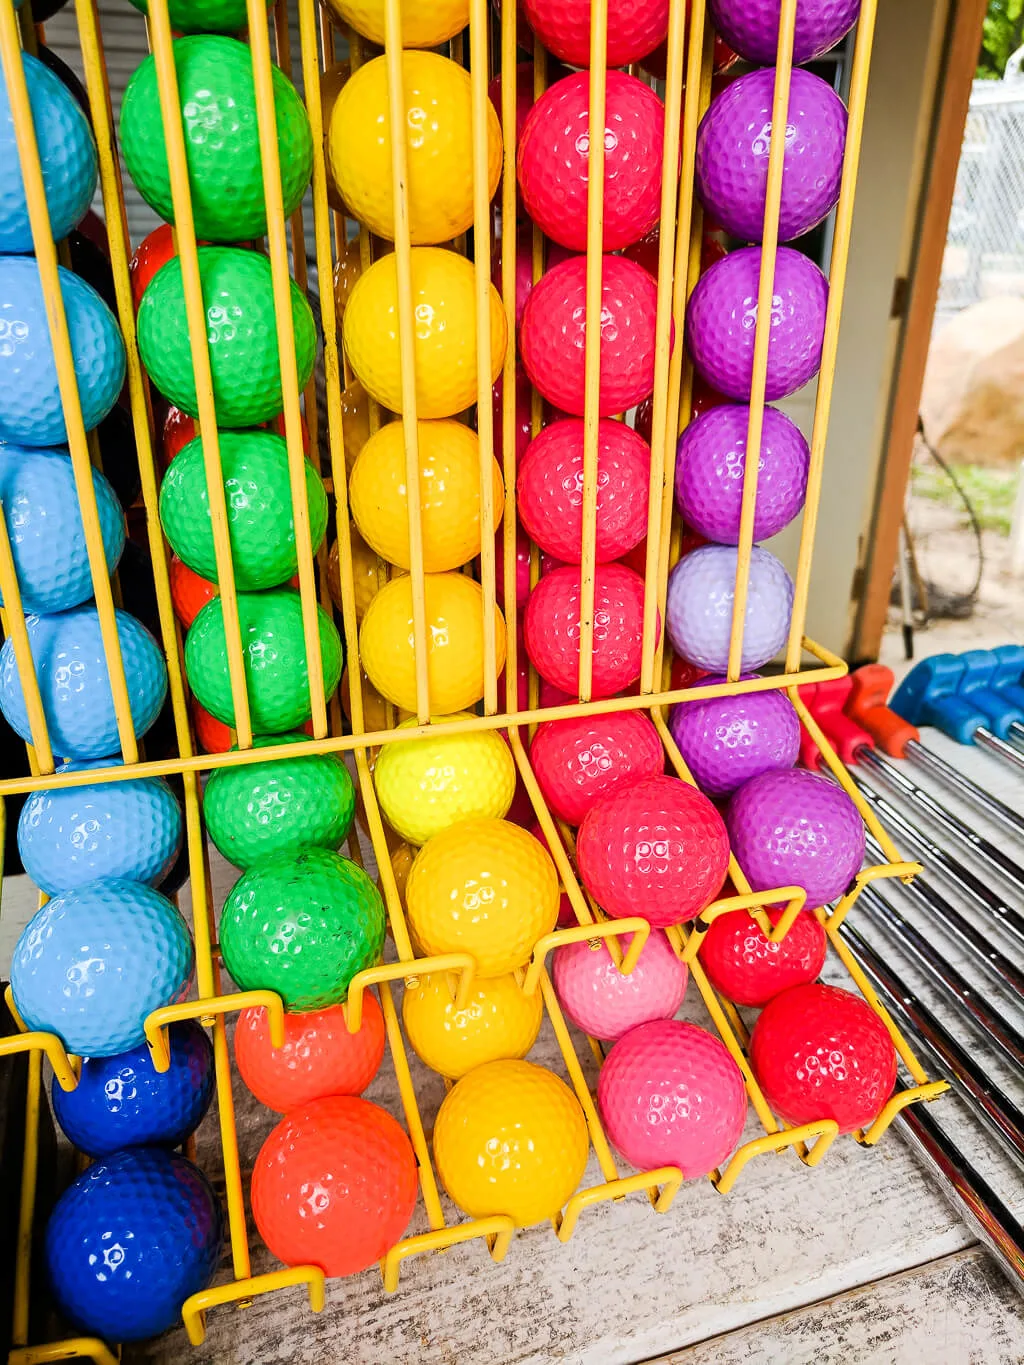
(992, 491)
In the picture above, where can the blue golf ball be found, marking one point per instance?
(124, 1101)
(68, 836)
(94, 962)
(127, 1243)
(74, 682)
(67, 157)
(31, 412)
(44, 523)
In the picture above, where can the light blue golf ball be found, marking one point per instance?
(68, 836)
(67, 157)
(44, 522)
(75, 685)
(94, 962)
(31, 412)
(698, 610)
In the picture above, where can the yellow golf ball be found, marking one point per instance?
(426, 786)
(484, 887)
(449, 463)
(438, 130)
(444, 309)
(347, 269)
(498, 1021)
(355, 419)
(425, 23)
(511, 1138)
(455, 642)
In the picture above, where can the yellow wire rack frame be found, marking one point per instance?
(686, 93)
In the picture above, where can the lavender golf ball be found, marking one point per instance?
(733, 143)
(698, 613)
(796, 828)
(751, 27)
(722, 315)
(728, 740)
(710, 460)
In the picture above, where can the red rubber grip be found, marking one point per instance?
(844, 734)
(810, 754)
(869, 692)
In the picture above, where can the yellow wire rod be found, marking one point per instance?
(509, 414)
(842, 233)
(497, 1231)
(17, 632)
(762, 330)
(27, 1201)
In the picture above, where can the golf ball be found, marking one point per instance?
(699, 608)
(189, 592)
(425, 23)
(580, 760)
(726, 740)
(635, 28)
(751, 27)
(747, 968)
(598, 999)
(498, 1021)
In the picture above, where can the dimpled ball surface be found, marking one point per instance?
(130, 1240)
(68, 836)
(44, 524)
(257, 495)
(74, 683)
(318, 1056)
(748, 968)
(31, 411)
(635, 28)
(205, 16)
(426, 787)
(510, 1138)
(123, 1101)
(425, 23)
(499, 1021)
(554, 157)
(484, 887)
(444, 345)
(549, 490)
(189, 592)
(657, 848)
(449, 463)
(726, 740)
(455, 643)
(819, 1052)
(699, 607)
(240, 329)
(580, 760)
(439, 147)
(274, 651)
(553, 628)
(302, 926)
(751, 27)
(76, 967)
(553, 334)
(721, 318)
(276, 808)
(670, 1094)
(732, 155)
(710, 460)
(218, 115)
(796, 828)
(596, 996)
(67, 159)
(334, 1184)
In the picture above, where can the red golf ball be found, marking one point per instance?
(553, 332)
(152, 252)
(581, 760)
(656, 848)
(553, 628)
(635, 27)
(189, 592)
(819, 1052)
(553, 161)
(747, 968)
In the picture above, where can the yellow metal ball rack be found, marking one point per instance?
(687, 93)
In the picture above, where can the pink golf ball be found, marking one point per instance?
(670, 1094)
(580, 760)
(598, 999)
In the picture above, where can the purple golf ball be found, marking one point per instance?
(710, 459)
(698, 613)
(796, 828)
(732, 155)
(728, 740)
(722, 315)
(751, 27)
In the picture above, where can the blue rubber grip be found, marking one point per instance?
(1009, 672)
(977, 683)
(928, 696)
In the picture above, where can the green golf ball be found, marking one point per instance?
(274, 653)
(240, 330)
(258, 497)
(303, 927)
(277, 808)
(218, 114)
(203, 16)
